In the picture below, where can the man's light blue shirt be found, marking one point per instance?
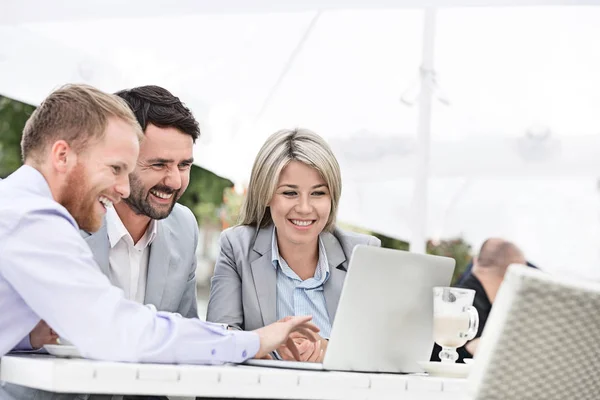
(48, 271)
(298, 297)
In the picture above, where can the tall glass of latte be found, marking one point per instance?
(455, 320)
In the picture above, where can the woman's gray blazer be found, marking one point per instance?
(243, 290)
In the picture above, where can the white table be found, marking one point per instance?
(240, 381)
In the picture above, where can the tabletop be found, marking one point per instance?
(239, 381)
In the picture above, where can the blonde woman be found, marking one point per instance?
(286, 257)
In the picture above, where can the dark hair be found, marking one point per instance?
(157, 106)
(76, 114)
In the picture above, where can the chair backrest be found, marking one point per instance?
(542, 340)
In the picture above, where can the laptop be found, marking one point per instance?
(384, 320)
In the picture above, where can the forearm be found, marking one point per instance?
(120, 330)
(61, 284)
(125, 331)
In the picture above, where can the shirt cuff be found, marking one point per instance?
(247, 345)
(24, 344)
(215, 324)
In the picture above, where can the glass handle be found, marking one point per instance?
(473, 322)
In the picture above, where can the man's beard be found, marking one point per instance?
(80, 200)
(139, 201)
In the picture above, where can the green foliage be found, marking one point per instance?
(204, 195)
(391, 243)
(206, 213)
(13, 116)
(455, 248)
(232, 204)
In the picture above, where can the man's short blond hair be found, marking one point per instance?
(75, 113)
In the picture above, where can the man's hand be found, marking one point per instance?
(42, 334)
(309, 350)
(274, 335)
(472, 346)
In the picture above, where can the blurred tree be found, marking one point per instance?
(391, 243)
(455, 248)
(203, 196)
(232, 204)
(13, 115)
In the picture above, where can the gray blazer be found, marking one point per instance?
(171, 284)
(243, 292)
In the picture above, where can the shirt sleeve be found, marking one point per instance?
(51, 267)
(24, 344)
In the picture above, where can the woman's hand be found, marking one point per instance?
(279, 334)
(310, 350)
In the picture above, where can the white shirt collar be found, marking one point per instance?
(117, 231)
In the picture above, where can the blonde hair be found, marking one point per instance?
(75, 113)
(278, 151)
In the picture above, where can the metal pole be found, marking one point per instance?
(288, 65)
(420, 193)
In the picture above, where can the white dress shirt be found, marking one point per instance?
(48, 271)
(128, 260)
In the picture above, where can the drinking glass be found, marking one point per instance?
(455, 320)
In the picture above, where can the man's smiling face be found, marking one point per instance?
(162, 173)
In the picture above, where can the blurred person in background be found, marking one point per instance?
(286, 257)
(485, 278)
(469, 267)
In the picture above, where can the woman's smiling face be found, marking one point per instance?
(301, 204)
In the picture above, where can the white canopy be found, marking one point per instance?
(514, 123)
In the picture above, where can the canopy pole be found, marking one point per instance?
(288, 65)
(420, 194)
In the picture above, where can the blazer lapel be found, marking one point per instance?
(158, 266)
(100, 246)
(337, 272)
(265, 276)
